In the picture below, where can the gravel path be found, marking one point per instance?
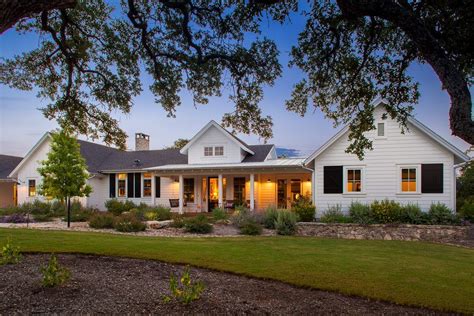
(118, 285)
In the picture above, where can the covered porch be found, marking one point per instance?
(202, 189)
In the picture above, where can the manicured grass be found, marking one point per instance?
(412, 273)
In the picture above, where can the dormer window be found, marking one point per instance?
(219, 150)
(208, 151)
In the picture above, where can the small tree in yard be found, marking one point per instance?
(64, 171)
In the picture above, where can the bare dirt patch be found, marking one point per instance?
(119, 285)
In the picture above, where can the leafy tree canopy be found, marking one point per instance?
(64, 172)
(179, 143)
(351, 51)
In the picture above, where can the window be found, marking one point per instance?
(281, 193)
(147, 184)
(31, 187)
(122, 185)
(189, 190)
(219, 151)
(295, 185)
(239, 190)
(381, 129)
(208, 151)
(408, 179)
(354, 180)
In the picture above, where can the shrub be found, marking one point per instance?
(46, 217)
(163, 213)
(101, 220)
(304, 208)
(360, 213)
(440, 214)
(117, 207)
(10, 254)
(178, 221)
(385, 211)
(270, 216)
(412, 214)
(250, 227)
(58, 208)
(128, 223)
(183, 289)
(467, 210)
(53, 273)
(81, 215)
(198, 225)
(286, 223)
(219, 214)
(334, 214)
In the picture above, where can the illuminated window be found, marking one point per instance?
(408, 177)
(219, 151)
(189, 190)
(295, 185)
(146, 184)
(354, 180)
(122, 185)
(239, 191)
(208, 151)
(31, 187)
(381, 129)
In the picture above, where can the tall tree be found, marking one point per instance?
(64, 172)
(179, 143)
(350, 50)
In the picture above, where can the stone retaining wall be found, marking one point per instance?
(435, 233)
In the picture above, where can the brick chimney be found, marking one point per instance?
(142, 141)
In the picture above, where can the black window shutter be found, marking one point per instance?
(432, 178)
(112, 185)
(157, 187)
(332, 179)
(130, 185)
(138, 185)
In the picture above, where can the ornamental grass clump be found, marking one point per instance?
(270, 217)
(285, 223)
(102, 221)
(10, 254)
(183, 289)
(440, 214)
(360, 213)
(128, 223)
(53, 274)
(198, 225)
(334, 214)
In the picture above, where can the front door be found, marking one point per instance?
(282, 197)
(213, 193)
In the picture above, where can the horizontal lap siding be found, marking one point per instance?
(381, 171)
(213, 137)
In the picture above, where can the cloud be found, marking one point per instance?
(288, 152)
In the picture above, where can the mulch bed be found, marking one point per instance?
(119, 285)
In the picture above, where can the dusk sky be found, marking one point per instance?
(22, 124)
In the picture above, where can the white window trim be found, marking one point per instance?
(377, 129)
(213, 146)
(117, 188)
(143, 186)
(204, 151)
(362, 180)
(418, 179)
(28, 188)
(223, 151)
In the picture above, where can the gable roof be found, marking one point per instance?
(420, 126)
(7, 164)
(228, 134)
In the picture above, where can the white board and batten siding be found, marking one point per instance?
(381, 171)
(213, 137)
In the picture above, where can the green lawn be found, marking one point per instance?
(413, 273)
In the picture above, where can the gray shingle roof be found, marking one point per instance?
(102, 158)
(7, 164)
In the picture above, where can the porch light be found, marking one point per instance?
(269, 180)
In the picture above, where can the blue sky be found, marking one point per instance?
(22, 124)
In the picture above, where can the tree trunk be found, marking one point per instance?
(452, 79)
(68, 212)
(13, 11)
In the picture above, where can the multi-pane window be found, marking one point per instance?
(146, 184)
(122, 185)
(189, 190)
(208, 151)
(381, 129)
(31, 187)
(354, 180)
(219, 151)
(408, 183)
(295, 186)
(239, 190)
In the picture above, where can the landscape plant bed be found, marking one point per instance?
(119, 285)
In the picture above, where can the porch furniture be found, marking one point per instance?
(229, 204)
(175, 203)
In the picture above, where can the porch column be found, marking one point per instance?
(252, 193)
(181, 193)
(220, 190)
(153, 188)
(313, 187)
